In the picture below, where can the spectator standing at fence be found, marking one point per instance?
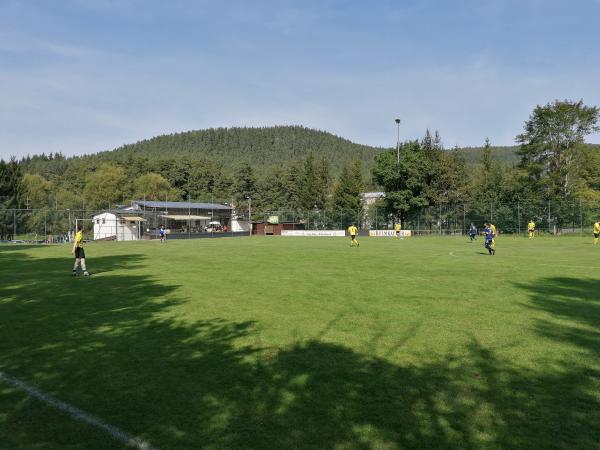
(531, 229)
(353, 230)
(596, 231)
(79, 253)
(472, 231)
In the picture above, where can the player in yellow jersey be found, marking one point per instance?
(494, 234)
(398, 228)
(596, 231)
(79, 252)
(352, 230)
(531, 229)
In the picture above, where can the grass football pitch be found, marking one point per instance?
(276, 343)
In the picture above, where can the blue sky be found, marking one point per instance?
(80, 76)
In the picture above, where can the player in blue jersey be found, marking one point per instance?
(472, 231)
(490, 234)
(162, 234)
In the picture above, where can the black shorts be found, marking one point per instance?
(79, 253)
(596, 235)
(352, 236)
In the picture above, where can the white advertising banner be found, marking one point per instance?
(389, 233)
(313, 233)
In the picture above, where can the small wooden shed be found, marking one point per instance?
(268, 229)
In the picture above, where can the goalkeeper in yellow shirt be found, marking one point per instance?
(531, 229)
(352, 230)
(79, 253)
(596, 231)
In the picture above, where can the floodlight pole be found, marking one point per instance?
(398, 140)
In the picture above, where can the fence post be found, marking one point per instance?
(14, 223)
(45, 229)
(549, 216)
(580, 219)
(519, 217)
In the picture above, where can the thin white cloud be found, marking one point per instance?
(22, 45)
(97, 110)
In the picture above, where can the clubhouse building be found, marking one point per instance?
(142, 219)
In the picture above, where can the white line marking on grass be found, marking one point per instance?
(77, 414)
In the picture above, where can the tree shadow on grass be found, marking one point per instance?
(574, 308)
(571, 317)
(184, 385)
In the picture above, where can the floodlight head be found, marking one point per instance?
(397, 121)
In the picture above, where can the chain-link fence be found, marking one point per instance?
(58, 225)
(554, 218)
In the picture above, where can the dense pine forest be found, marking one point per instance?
(262, 148)
(293, 168)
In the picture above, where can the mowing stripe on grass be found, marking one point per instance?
(77, 414)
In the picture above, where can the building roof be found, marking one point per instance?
(134, 218)
(184, 217)
(116, 212)
(180, 205)
(373, 194)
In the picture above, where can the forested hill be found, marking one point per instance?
(260, 147)
(269, 146)
(505, 155)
